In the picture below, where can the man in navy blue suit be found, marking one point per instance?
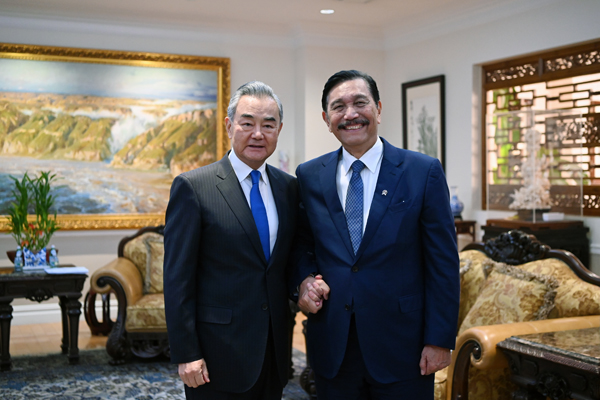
(377, 264)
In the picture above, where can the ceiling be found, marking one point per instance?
(287, 17)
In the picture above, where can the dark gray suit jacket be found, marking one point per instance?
(220, 292)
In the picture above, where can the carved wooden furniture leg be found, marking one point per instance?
(5, 318)
(117, 345)
(71, 310)
(89, 309)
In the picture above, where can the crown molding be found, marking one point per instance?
(300, 35)
(449, 20)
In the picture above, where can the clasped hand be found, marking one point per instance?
(312, 293)
(194, 373)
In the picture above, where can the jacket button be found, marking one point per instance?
(347, 307)
(355, 269)
(265, 307)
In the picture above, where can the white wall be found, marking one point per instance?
(457, 55)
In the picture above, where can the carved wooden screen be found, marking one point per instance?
(561, 90)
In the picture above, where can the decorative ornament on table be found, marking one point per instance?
(32, 232)
(456, 205)
(533, 198)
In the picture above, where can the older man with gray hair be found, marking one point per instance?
(228, 234)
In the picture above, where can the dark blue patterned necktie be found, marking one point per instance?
(259, 212)
(354, 205)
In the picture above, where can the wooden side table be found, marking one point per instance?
(39, 286)
(555, 365)
(467, 227)
(563, 235)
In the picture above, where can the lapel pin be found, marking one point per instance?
(384, 193)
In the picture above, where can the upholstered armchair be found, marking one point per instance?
(511, 285)
(135, 277)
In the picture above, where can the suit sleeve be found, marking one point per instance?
(302, 256)
(442, 280)
(182, 237)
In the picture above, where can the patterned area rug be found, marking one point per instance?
(50, 377)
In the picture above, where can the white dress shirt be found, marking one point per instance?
(372, 160)
(242, 171)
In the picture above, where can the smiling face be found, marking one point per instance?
(352, 116)
(254, 129)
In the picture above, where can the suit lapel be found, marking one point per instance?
(328, 183)
(278, 187)
(390, 174)
(234, 196)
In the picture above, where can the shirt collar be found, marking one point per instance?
(370, 158)
(242, 170)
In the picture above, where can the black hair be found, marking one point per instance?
(344, 76)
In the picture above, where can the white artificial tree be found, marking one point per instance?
(535, 193)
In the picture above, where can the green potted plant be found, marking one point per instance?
(32, 194)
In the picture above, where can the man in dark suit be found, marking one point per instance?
(229, 230)
(377, 264)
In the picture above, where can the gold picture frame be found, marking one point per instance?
(212, 109)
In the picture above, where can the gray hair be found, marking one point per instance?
(254, 89)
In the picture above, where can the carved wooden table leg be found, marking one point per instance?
(71, 310)
(5, 318)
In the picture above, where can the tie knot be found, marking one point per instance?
(255, 176)
(357, 166)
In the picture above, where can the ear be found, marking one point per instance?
(279, 130)
(379, 112)
(228, 127)
(325, 118)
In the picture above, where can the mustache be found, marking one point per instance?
(362, 121)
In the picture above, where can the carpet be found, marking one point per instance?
(51, 377)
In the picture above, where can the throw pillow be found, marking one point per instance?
(153, 282)
(574, 297)
(511, 295)
(471, 280)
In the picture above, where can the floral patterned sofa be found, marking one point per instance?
(136, 279)
(512, 285)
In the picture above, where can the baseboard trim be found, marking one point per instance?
(47, 313)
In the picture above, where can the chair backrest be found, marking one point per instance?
(145, 250)
(516, 247)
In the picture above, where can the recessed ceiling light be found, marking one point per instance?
(327, 12)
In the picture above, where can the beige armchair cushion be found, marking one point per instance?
(511, 295)
(147, 253)
(147, 314)
(440, 384)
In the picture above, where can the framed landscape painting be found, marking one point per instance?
(423, 116)
(115, 127)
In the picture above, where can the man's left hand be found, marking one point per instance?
(433, 359)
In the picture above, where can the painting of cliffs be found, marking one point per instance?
(114, 135)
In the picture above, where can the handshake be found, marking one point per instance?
(311, 294)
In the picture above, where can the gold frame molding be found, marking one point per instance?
(139, 59)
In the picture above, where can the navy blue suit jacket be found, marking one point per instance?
(403, 283)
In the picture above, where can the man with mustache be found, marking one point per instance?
(377, 265)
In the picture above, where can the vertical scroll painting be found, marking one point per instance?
(423, 116)
(115, 127)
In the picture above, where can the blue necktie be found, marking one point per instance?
(259, 212)
(354, 205)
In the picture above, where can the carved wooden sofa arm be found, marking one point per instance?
(124, 279)
(477, 347)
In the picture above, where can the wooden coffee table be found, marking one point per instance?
(40, 286)
(557, 365)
